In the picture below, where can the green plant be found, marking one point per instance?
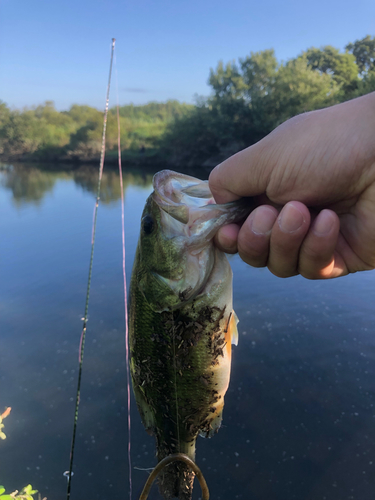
(25, 494)
(2, 417)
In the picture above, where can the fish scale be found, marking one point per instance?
(160, 372)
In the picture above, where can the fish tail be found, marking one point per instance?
(176, 479)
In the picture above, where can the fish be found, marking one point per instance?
(181, 320)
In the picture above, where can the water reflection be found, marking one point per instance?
(30, 184)
(87, 178)
(300, 409)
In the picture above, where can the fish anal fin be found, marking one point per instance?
(215, 422)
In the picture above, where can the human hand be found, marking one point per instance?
(313, 179)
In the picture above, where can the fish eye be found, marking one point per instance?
(147, 224)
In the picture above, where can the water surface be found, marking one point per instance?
(299, 417)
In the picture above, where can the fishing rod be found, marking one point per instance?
(69, 473)
(124, 282)
(172, 457)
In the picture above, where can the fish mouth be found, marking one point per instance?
(189, 202)
(177, 193)
(189, 219)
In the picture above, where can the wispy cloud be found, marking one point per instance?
(135, 90)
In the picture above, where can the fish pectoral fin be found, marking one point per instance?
(231, 332)
(144, 409)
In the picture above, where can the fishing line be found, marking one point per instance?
(124, 279)
(85, 317)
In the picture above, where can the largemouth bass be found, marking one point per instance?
(181, 321)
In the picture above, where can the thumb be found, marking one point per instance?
(243, 174)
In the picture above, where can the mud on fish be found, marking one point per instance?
(181, 321)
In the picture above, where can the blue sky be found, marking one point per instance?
(59, 49)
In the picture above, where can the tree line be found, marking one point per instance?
(249, 98)
(43, 133)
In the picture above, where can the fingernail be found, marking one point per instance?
(291, 219)
(262, 221)
(323, 223)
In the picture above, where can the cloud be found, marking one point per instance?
(135, 90)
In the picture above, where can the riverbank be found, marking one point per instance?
(148, 158)
(135, 158)
(89, 168)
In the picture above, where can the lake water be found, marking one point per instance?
(299, 417)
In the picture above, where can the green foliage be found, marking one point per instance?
(153, 111)
(27, 493)
(4, 113)
(341, 66)
(364, 53)
(366, 84)
(259, 73)
(299, 88)
(198, 126)
(44, 133)
(227, 81)
(33, 129)
(249, 98)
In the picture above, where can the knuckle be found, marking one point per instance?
(311, 275)
(316, 273)
(283, 262)
(313, 254)
(282, 273)
(254, 253)
(254, 260)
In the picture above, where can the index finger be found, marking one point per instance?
(240, 175)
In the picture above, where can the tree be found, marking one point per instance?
(4, 118)
(21, 133)
(329, 60)
(226, 81)
(4, 113)
(366, 84)
(228, 104)
(299, 88)
(259, 73)
(364, 53)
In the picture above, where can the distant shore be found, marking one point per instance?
(142, 164)
(134, 158)
(149, 158)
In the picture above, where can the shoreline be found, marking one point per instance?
(149, 165)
